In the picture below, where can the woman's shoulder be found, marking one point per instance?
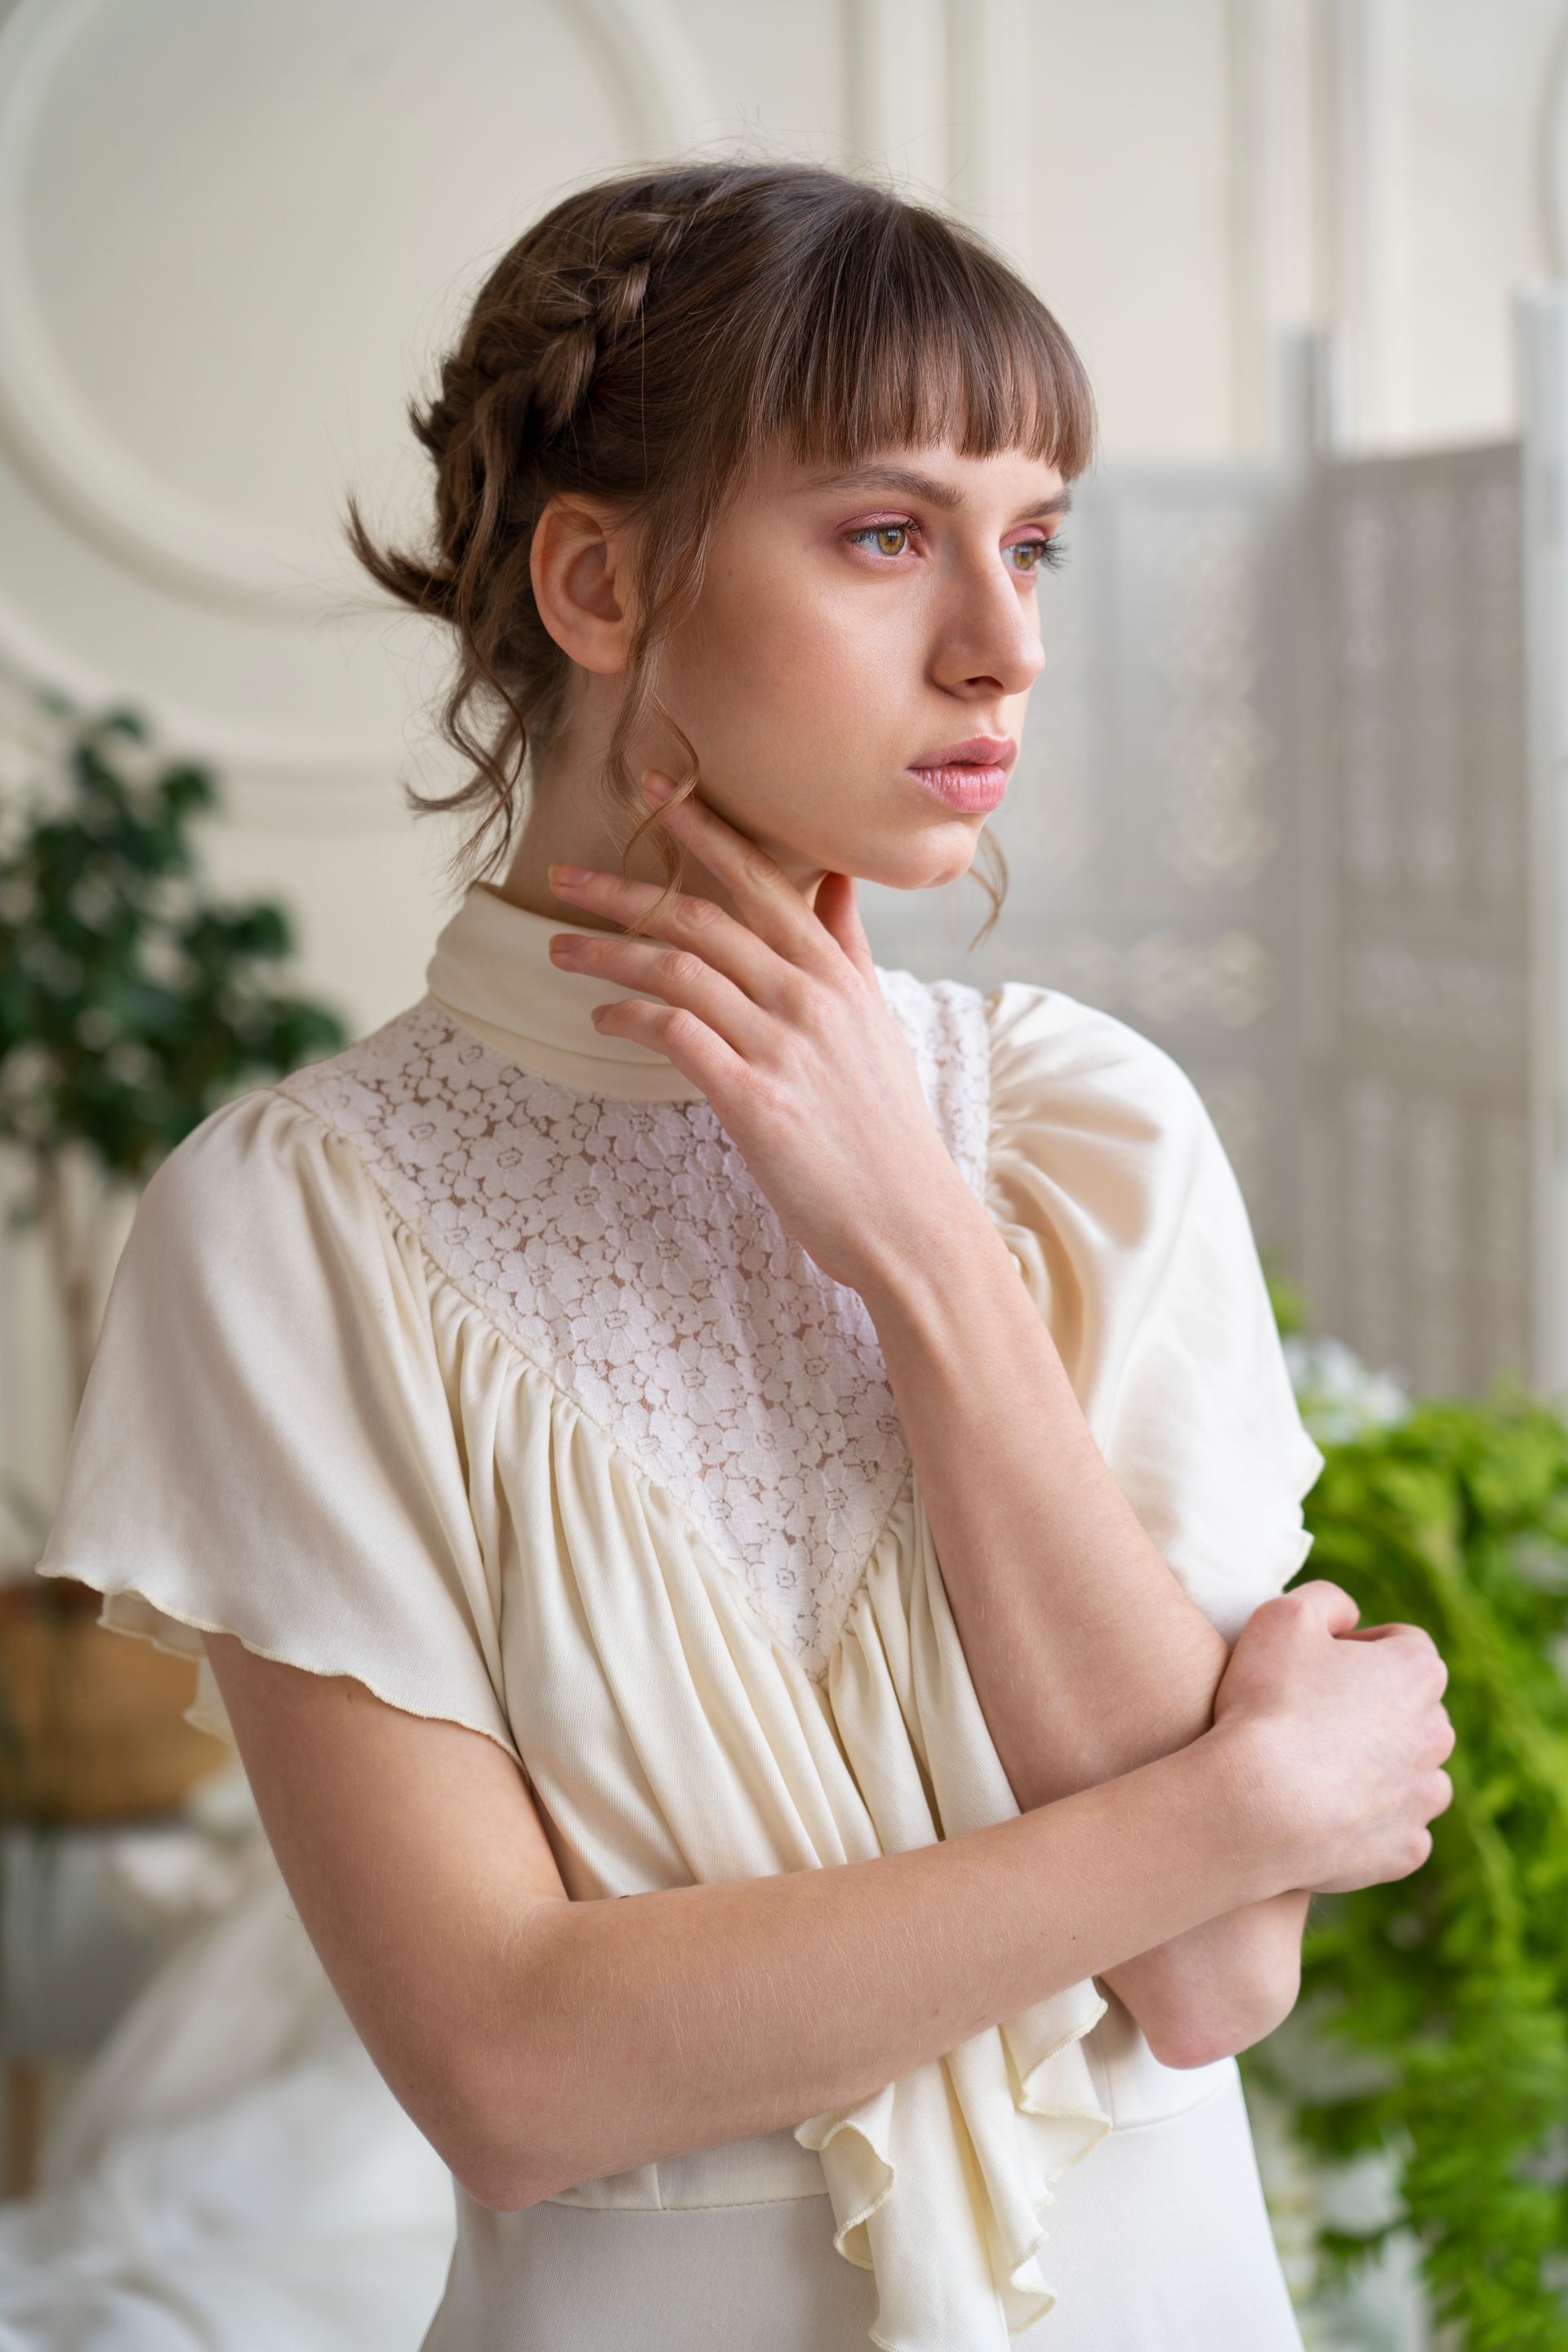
(331, 1173)
(1094, 1124)
(374, 1133)
(1023, 1026)
(1109, 1180)
(1022, 1059)
(1051, 1050)
(259, 1208)
(263, 1152)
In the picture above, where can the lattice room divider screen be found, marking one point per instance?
(1289, 803)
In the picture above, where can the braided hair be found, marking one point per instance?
(645, 342)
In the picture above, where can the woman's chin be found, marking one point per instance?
(923, 862)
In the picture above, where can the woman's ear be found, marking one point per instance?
(581, 567)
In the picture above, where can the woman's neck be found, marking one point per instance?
(563, 825)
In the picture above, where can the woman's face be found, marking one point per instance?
(851, 631)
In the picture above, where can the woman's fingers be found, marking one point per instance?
(687, 924)
(838, 911)
(772, 950)
(720, 985)
(675, 975)
(769, 901)
(698, 1052)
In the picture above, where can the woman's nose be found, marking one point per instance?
(993, 637)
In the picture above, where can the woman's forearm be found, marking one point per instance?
(642, 2027)
(1087, 1657)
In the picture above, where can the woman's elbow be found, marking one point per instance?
(499, 2166)
(502, 2164)
(503, 2188)
(1249, 2012)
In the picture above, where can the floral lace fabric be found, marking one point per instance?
(625, 1249)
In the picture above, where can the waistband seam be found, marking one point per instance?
(726, 2205)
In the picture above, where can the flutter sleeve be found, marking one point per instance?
(266, 1445)
(1122, 1209)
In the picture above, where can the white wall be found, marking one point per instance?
(231, 239)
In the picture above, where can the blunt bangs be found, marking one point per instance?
(902, 332)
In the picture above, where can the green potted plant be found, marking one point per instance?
(132, 1002)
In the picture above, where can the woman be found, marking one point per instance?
(601, 1356)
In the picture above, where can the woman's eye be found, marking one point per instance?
(880, 532)
(892, 539)
(1048, 554)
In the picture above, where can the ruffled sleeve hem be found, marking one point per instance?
(127, 1611)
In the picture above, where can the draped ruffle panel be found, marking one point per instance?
(960, 2154)
(659, 1716)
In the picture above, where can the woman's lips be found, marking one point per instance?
(971, 787)
(971, 776)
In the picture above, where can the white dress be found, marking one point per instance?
(472, 1363)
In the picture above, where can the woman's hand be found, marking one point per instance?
(1347, 1732)
(778, 1017)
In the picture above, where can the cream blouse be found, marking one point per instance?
(472, 1363)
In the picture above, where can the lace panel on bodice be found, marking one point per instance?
(625, 1249)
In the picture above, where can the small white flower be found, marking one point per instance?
(1340, 1396)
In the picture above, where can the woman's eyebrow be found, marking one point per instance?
(916, 485)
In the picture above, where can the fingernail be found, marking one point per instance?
(657, 788)
(569, 874)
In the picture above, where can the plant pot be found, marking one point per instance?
(91, 1725)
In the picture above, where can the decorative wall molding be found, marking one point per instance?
(1550, 142)
(283, 782)
(898, 103)
(644, 52)
(994, 120)
(939, 94)
(1365, 220)
(149, 525)
(1267, 159)
(282, 778)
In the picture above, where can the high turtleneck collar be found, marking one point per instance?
(491, 972)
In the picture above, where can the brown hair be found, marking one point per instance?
(646, 342)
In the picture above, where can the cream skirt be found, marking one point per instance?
(1158, 2241)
